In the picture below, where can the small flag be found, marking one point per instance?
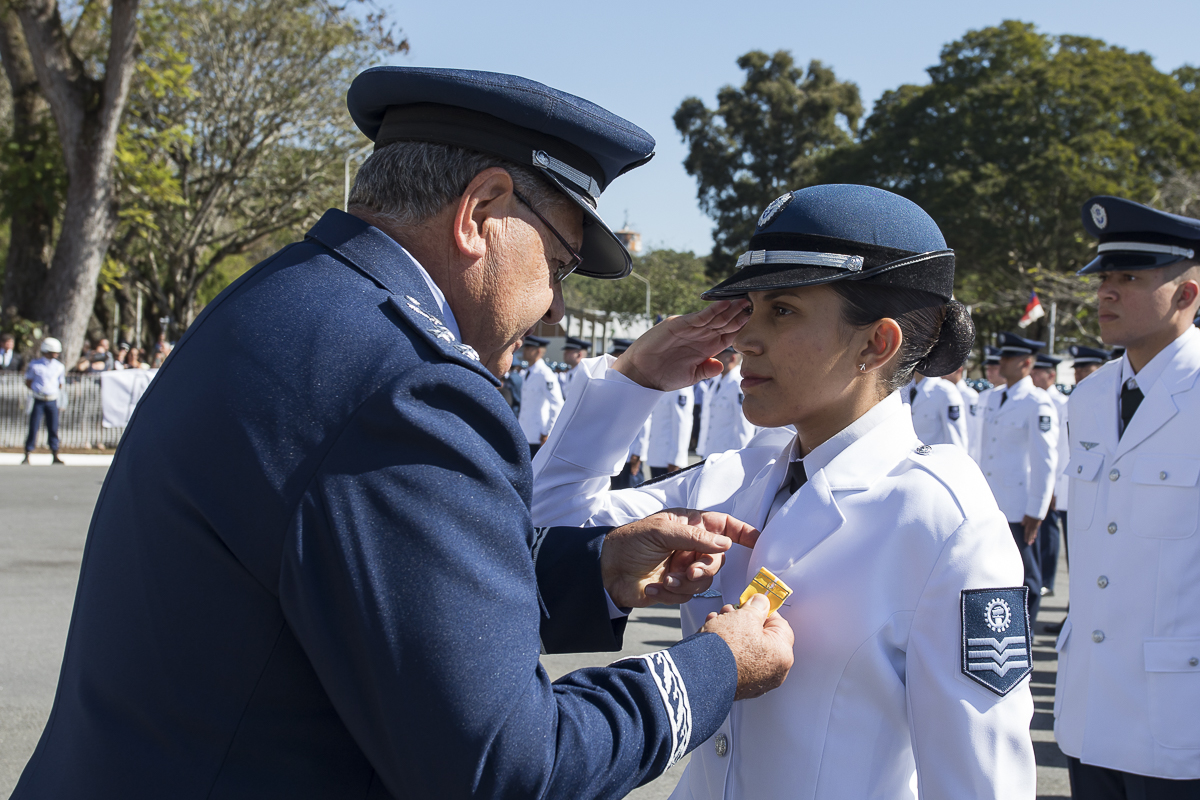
(1033, 311)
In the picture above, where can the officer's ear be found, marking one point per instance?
(884, 339)
(1188, 289)
(487, 200)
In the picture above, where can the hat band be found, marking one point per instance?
(580, 179)
(1025, 351)
(1146, 247)
(801, 258)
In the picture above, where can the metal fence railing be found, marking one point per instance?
(79, 425)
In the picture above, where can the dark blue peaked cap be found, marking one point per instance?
(620, 346)
(1089, 355)
(843, 232)
(991, 355)
(576, 145)
(577, 344)
(1136, 237)
(1013, 345)
(534, 341)
(1047, 361)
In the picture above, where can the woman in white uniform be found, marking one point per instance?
(912, 643)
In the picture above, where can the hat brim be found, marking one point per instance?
(769, 277)
(603, 254)
(1129, 262)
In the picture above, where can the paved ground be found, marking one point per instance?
(45, 513)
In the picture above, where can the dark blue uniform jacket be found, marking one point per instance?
(312, 573)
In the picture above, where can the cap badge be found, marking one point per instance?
(1099, 216)
(772, 211)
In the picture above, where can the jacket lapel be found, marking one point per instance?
(1159, 404)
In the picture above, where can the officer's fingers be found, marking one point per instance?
(778, 627)
(681, 536)
(740, 532)
(758, 606)
(708, 369)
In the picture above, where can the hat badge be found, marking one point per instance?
(772, 211)
(998, 615)
(1099, 216)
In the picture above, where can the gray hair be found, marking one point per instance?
(407, 183)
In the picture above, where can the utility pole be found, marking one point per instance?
(643, 280)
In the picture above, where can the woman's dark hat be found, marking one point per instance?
(1134, 237)
(842, 232)
(576, 145)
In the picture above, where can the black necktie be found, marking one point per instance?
(797, 477)
(1003, 398)
(1131, 398)
(912, 395)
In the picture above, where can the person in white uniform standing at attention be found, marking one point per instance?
(670, 432)
(1019, 452)
(1127, 703)
(1045, 377)
(938, 411)
(574, 351)
(723, 426)
(912, 641)
(991, 372)
(541, 397)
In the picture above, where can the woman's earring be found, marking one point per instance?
(862, 367)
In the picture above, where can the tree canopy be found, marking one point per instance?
(763, 139)
(676, 281)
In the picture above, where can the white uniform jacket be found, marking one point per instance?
(878, 545)
(1062, 484)
(938, 411)
(566, 378)
(723, 426)
(971, 412)
(671, 429)
(975, 445)
(541, 400)
(1019, 450)
(1128, 693)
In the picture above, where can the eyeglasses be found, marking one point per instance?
(576, 259)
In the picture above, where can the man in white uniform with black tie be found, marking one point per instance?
(1020, 451)
(723, 426)
(1128, 688)
(541, 397)
(1045, 377)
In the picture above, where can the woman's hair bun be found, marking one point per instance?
(953, 345)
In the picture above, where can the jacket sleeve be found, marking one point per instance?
(1043, 458)
(571, 472)
(967, 740)
(408, 577)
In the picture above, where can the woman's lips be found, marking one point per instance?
(749, 380)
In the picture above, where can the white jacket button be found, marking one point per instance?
(722, 744)
(1116, 473)
(1102, 581)
(1112, 527)
(1194, 662)
(1097, 636)
(1162, 476)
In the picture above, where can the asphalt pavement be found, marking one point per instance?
(44, 515)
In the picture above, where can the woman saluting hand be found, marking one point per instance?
(912, 644)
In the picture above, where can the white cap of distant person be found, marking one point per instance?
(51, 345)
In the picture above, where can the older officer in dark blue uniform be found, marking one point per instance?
(312, 573)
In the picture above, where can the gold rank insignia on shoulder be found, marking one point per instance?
(766, 583)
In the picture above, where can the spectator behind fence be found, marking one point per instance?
(46, 379)
(121, 356)
(162, 349)
(134, 360)
(9, 358)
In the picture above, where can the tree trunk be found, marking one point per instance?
(88, 114)
(32, 219)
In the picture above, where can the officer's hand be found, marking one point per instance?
(1031, 528)
(761, 644)
(669, 556)
(679, 351)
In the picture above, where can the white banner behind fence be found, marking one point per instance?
(120, 391)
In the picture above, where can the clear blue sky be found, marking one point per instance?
(640, 59)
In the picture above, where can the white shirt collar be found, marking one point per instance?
(1149, 374)
(438, 296)
(828, 450)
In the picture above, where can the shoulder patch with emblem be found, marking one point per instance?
(974, 408)
(955, 412)
(1044, 424)
(996, 643)
(682, 401)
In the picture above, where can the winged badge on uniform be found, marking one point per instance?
(996, 641)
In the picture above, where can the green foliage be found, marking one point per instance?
(1014, 131)
(676, 281)
(763, 139)
(32, 171)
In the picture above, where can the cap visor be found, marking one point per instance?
(602, 252)
(1129, 262)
